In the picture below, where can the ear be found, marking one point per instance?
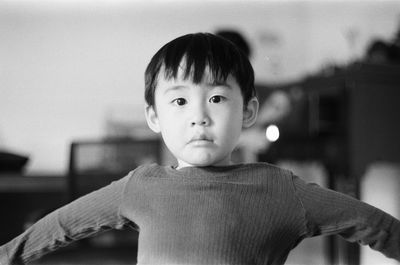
(250, 112)
(152, 118)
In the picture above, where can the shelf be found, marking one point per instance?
(14, 183)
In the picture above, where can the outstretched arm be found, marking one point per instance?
(330, 212)
(84, 217)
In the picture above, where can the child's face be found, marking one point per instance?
(200, 123)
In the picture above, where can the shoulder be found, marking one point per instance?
(146, 171)
(266, 167)
(146, 168)
(138, 180)
(262, 169)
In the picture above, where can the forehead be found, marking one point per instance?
(193, 73)
(186, 79)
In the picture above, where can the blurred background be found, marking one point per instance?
(71, 103)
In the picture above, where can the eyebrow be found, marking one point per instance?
(209, 85)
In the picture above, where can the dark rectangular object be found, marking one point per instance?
(96, 163)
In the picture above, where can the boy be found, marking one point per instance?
(206, 210)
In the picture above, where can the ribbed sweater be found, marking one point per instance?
(239, 214)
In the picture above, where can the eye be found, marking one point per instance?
(179, 101)
(216, 99)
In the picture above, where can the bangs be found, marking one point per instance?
(197, 55)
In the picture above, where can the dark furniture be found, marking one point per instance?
(348, 119)
(96, 163)
(93, 164)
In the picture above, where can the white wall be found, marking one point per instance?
(65, 66)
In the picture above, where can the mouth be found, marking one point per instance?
(200, 140)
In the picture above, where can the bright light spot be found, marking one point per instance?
(272, 133)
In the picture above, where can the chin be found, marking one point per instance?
(202, 164)
(204, 159)
(207, 162)
(199, 162)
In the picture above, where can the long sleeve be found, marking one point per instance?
(330, 212)
(84, 217)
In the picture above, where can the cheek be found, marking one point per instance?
(231, 124)
(171, 128)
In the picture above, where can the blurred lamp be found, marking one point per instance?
(272, 133)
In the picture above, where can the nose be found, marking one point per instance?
(200, 116)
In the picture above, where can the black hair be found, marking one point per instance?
(199, 51)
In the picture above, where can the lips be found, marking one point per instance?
(200, 139)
